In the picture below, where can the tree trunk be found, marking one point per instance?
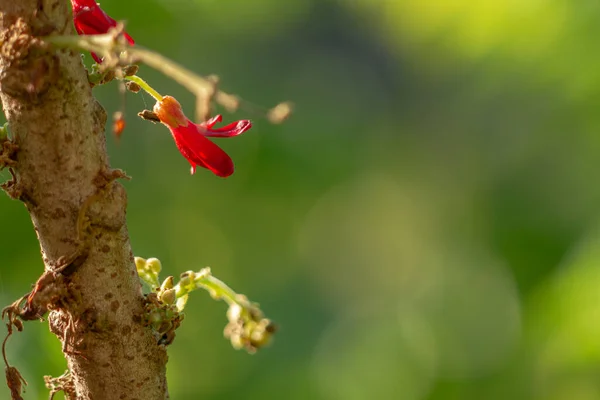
(61, 173)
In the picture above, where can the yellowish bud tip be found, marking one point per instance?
(140, 263)
(167, 284)
(154, 265)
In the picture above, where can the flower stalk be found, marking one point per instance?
(144, 85)
(110, 48)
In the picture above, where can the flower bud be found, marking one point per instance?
(168, 296)
(170, 113)
(262, 333)
(186, 280)
(279, 113)
(133, 87)
(154, 265)
(130, 70)
(140, 263)
(234, 312)
(167, 284)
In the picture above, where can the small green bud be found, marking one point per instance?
(154, 265)
(154, 317)
(236, 340)
(234, 313)
(168, 296)
(140, 264)
(167, 284)
(185, 281)
(262, 333)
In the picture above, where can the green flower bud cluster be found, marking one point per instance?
(148, 271)
(161, 313)
(247, 327)
(163, 318)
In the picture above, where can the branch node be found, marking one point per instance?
(107, 176)
(8, 153)
(30, 69)
(63, 383)
(12, 188)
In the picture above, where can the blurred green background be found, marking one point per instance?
(425, 226)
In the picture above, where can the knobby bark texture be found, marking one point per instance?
(90, 286)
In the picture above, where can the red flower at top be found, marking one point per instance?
(191, 139)
(90, 19)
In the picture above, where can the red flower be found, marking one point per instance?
(191, 139)
(90, 19)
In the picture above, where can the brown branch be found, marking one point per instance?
(62, 175)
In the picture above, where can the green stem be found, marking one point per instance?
(217, 288)
(150, 280)
(144, 85)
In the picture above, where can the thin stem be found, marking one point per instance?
(186, 78)
(109, 47)
(106, 45)
(144, 85)
(217, 288)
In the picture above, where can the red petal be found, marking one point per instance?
(93, 20)
(128, 38)
(83, 3)
(231, 130)
(96, 58)
(79, 4)
(84, 29)
(211, 122)
(90, 19)
(200, 151)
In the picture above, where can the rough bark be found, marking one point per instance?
(61, 174)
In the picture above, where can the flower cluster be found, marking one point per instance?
(247, 328)
(191, 139)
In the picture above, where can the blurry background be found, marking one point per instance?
(425, 226)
